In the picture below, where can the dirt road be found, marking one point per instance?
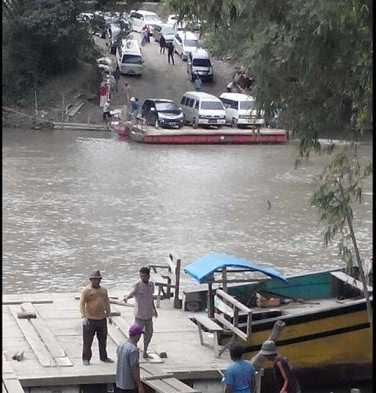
(164, 80)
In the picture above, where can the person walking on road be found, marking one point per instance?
(239, 377)
(145, 310)
(198, 82)
(95, 309)
(128, 363)
(170, 53)
(283, 376)
(162, 44)
(117, 77)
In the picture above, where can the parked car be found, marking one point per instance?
(167, 31)
(199, 63)
(116, 31)
(185, 42)
(161, 112)
(129, 57)
(143, 18)
(241, 110)
(172, 19)
(203, 109)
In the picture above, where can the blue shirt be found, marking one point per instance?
(239, 375)
(128, 358)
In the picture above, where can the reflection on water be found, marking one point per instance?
(78, 201)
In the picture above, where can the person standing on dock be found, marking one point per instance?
(145, 310)
(128, 363)
(95, 309)
(239, 377)
(283, 376)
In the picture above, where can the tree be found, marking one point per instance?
(313, 63)
(339, 187)
(41, 38)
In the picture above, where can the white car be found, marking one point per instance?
(172, 19)
(202, 109)
(143, 18)
(241, 110)
(185, 42)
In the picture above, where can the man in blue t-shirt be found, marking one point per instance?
(239, 376)
(127, 369)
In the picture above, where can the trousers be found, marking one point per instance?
(170, 56)
(147, 324)
(92, 327)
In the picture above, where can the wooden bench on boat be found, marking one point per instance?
(226, 318)
(166, 278)
(208, 325)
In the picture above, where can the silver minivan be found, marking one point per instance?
(202, 109)
(241, 110)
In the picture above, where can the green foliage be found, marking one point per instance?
(339, 187)
(41, 38)
(312, 58)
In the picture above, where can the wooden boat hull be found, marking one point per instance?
(326, 340)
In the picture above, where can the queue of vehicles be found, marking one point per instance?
(201, 109)
(195, 108)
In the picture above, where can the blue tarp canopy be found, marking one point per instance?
(203, 268)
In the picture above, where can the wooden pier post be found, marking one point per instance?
(177, 303)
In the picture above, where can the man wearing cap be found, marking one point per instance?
(283, 376)
(95, 308)
(145, 310)
(127, 369)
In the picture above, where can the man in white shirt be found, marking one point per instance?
(145, 310)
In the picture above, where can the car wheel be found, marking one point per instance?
(234, 123)
(195, 123)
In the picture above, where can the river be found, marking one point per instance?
(74, 202)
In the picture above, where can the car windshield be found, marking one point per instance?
(166, 107)
(191, 43)
(151, 19)
(201, 62)
(132, 59)
(247, 105)
(211, 105)
(168, 30)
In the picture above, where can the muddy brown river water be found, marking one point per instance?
(78, 201)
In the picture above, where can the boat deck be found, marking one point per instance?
(223, 135)
(52, 342)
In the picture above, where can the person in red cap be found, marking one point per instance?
(95, 309)
(127, 369)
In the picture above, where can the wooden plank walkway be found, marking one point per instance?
(52, 344)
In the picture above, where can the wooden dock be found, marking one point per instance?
(46, 329)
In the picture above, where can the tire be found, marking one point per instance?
(195, 123)
(234, 123)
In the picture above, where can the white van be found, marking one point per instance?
(199, 63)
(141, 18)
(185, 42)
(129, 57)
(202, 108)
(241, 110)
